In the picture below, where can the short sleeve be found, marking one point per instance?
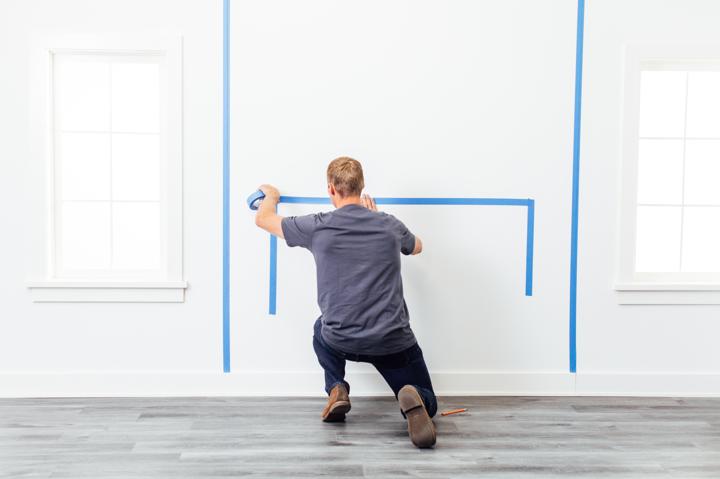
(407, 239)
(299, 230)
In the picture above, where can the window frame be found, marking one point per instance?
(653, 288)
(169, 285)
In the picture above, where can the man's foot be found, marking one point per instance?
(338, 405)
(420, 425)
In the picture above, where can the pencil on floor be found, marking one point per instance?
(454, 411)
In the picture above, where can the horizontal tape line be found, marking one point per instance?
(322, 200)
(316, 200)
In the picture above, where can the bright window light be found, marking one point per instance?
(108, 192)
(678, 198)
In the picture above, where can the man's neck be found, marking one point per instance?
(350, 200)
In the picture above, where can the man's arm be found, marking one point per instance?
(266, 216)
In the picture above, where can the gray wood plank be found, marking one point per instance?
(499, 436)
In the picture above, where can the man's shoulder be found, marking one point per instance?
(359, 217)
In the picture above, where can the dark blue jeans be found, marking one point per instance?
(398, 369)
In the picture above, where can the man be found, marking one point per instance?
(360, 294)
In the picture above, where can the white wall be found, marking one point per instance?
(436, 99)
(612, 339)
(454, 98)
(109, 339)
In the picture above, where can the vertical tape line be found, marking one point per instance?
(226, 187)
(313, 200)
(272, 300)
(576, 183)
(529, 246)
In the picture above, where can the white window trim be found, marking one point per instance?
(639, 288)
(44, 286)
(107, 291)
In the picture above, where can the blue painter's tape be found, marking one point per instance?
(453, 201)
(576, 184)
(255, 199)
(273, 275)
(530, 245)
(226, 188)
(316, 200)
(307, 200)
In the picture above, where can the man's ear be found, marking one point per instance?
(331, 189)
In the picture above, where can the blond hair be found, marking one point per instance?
(346, 175)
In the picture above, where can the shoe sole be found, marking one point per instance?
(337, 412)
(420, 426)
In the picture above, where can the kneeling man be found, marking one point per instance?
(364, 316)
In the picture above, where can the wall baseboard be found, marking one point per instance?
(309, 383)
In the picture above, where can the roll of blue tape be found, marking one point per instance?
(255, 199)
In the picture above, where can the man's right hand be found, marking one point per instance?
(266, 216)
(270, 191)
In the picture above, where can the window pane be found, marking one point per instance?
(136, 167)
(660, 164)
(658, 239)
(136, 236)
(703, 115)
(85, 235)
(81, 88)
(662, 103)
(83, 160)
(701, 239)
(702, 172)
(136, 97)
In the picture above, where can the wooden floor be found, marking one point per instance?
(272, 437)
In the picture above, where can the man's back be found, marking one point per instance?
(360, 293)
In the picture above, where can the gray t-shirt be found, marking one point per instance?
(360, 292)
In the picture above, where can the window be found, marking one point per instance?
(671, 225)
(114, 173)
(678, 198)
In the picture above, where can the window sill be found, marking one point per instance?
(55, 291)
(668, 293)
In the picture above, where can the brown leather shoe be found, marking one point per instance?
(420, 426)
(337, 406)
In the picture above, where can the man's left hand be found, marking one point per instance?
(368, 202)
